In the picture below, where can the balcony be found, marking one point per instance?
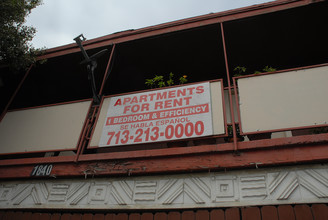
(268, 110)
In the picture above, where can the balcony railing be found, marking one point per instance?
(267, 105)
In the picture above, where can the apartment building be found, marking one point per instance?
(220, 116)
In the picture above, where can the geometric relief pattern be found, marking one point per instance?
(6, 192)
(58, 192)
(122, 192)
(283, 185)
(315, 182)
(77, 192)
(253, 186)
(98, 193)
(170, 191)
(302, 184)
(197, 190)
(145, 191)
(224, 189)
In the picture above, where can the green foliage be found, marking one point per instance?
(150, 83)
(239, 70)
(156, 81)
(159, 82)
(15, 48)
(183, 79)
(170, 82)
(266, 69)
(269, 69)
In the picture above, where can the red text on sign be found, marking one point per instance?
(153, 134)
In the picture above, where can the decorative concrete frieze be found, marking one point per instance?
(263, 186)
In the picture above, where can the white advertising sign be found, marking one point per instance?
(161, 115)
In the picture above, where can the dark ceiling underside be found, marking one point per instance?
(285, 39)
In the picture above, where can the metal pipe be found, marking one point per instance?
(229, 90)
(107, 70)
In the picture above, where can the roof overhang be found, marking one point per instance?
(179, 25)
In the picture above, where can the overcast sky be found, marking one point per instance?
(59, 21)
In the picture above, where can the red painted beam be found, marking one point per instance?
(210, 161)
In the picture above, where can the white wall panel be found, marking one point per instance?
(227, 103)
(217, 108)
(44, 128)
(284, 100)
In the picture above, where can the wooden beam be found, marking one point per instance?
(210, 161)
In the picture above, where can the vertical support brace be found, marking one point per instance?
(229, 89)
(15, 93)
(107, 72)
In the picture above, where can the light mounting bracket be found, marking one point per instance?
(91, 63)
